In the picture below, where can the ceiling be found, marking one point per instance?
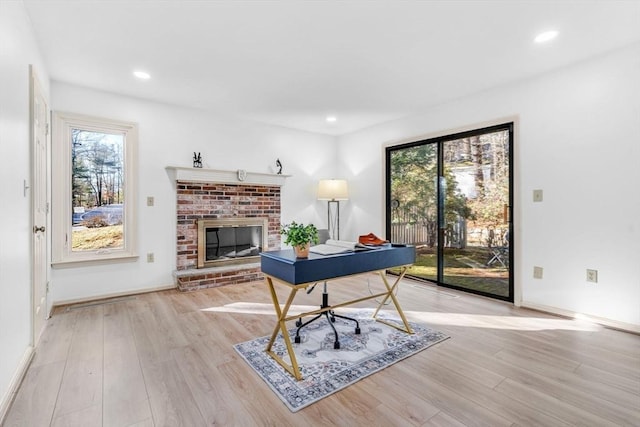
(292, 63)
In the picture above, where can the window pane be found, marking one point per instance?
(476, 233)
(97, 190)
(414, 205)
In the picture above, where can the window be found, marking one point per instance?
(94, 189)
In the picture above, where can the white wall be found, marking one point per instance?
(17, 50)
(578, 139)
(168, 136)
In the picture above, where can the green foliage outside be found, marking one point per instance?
(97, 179)
(475, 194)
(460, 271)
(96, 168)
(414, 178)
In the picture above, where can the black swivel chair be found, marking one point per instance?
(323, 236)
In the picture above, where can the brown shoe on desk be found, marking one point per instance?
(371, 239)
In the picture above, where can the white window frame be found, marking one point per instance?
(62, 253)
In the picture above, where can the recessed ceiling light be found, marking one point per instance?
(331, 119)
(141, 75)
(546, 36)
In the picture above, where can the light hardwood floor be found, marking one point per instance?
(166, 359)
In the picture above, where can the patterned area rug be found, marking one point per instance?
(325, 370)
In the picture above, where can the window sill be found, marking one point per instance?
(102, 260)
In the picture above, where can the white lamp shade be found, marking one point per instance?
(333, 189)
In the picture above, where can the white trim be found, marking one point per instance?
(225, 176)
(614, 324)
(15, 382)
(113, 295)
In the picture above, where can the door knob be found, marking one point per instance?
(36, 228)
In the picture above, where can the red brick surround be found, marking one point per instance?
(199, 200)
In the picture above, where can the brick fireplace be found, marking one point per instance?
(210, 194)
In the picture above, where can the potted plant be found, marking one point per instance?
(300, 236)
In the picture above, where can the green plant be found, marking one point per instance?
(299, 234)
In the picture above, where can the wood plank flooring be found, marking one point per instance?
(166, 359)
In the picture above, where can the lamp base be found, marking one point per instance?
(333, 219)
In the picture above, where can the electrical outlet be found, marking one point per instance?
(537, 195)
(150, 201)
(592, 276)
(150, 257)
(537, 272)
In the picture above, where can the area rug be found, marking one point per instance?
(326, 370)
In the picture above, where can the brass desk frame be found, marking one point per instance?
(283, 317)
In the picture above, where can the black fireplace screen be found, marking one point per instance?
(232, 242)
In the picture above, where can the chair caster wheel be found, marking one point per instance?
(298, 323)
(297, 340)
(336, 345)
(333, 319)
(357, 331)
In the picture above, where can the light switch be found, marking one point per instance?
(537, 195)
(150, 201)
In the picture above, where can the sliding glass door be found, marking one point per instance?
(451, 198)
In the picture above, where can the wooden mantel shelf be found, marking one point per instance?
(239, 177)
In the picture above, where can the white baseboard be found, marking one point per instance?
(113, 295)
(609, 323)
(5, 403)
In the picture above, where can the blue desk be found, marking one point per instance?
(284, 268)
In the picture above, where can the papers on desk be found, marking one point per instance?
(332, 247)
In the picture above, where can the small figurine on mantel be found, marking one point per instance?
(279, 166)
(197, 160)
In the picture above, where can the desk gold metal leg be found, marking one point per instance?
(276, 306)
(281, 326)
(390, 290)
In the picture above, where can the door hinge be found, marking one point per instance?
(47, 130)
(48, 207)
(47, 287)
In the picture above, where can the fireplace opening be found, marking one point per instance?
(230, 241)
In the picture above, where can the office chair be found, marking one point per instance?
(323, 236)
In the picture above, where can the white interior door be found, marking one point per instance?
(39, 181)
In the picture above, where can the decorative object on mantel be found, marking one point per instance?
(242, 174)
(197, 160)
(300, 236)
(279, 166)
